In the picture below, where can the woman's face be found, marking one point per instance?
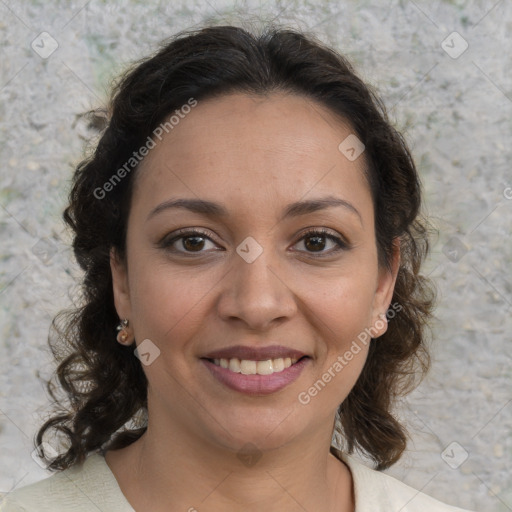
(253, 286)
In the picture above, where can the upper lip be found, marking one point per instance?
(255, 353)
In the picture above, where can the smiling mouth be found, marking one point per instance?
(251, 367)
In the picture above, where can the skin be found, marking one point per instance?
(255, 155)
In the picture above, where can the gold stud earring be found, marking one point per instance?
(122, 335)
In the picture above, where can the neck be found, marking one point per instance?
(169, 468)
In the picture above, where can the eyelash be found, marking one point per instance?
(186, 233)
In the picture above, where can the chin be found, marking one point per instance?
(261, 430)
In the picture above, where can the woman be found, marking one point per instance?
(249, 222)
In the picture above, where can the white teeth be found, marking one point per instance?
(249, 367)
(265, 367)
(278, 364)
(234, 365)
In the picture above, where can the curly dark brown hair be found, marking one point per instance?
(104, 384)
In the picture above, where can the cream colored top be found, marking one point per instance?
(92, 487)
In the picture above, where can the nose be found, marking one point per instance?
(256, 294)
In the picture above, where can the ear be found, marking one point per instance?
(120, 285)
(384, 292)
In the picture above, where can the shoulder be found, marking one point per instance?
(378, 492)
(86, 487)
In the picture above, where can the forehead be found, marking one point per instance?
(252, 150)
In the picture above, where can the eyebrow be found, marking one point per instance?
(217, 210)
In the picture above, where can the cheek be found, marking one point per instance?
(167, 305)
(345, 306)
(344, 312)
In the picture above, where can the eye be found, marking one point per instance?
(315, 241)
(194, 240)
(191, 241)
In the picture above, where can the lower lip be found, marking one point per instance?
(257, 384)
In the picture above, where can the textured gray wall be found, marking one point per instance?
(454, 105)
